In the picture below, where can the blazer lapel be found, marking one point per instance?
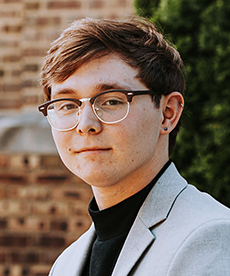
(138, 240)
(84, 245)
(73, 262)
(154, 211)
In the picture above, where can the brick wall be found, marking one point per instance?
(43, 207)
(26, 29)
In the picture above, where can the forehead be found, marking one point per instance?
(104, 73)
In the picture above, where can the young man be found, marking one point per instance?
(114, 91)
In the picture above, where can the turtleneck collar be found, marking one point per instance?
(118, 219)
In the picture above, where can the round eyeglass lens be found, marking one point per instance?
(111, 107)
(63, 114)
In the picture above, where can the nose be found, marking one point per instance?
(88, 122)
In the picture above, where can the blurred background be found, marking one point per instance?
(43, 207)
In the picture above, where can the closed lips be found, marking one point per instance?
(93, 149)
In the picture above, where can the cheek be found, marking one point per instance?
(136, 136)
(145, 132)
(61, 140)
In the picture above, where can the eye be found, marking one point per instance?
(67, 106)
(111, 102)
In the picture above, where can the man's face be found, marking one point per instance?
(101, 154)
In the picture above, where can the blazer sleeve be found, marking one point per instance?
(205, 252)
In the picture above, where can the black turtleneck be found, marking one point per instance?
(112, 226)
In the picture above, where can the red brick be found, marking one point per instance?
(12, 1)
(81, 208)
(10, 87)
(9, 44)
(3, 224)
(30, 83)
(13, 178)
(34, 52)
(59, 225)
(31, 100)
(52, 178)
(10, 103)
(39, 270)
(25, 271)
(12, 29)
(47, 21)
(97, 4)
(67, 193)
(28, 225)
(76, 193)
(4, 161)
(31, 258)
(24, 257)
(16, 73)
(2, 257)
(50, 208)
(48, 256)
(32, 5)
(51, 162)
(11, 58)
(33, 193)
(64, 5)
(18, 162)
(16, 257)
(79, 224)
(13, 240)
(7, 271)
(8, 14)
(50, 241)
(13, 208)
(31, 67)
(2, 194)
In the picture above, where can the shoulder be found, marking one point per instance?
(194, 211)
(201, 206)
(202, 230)
(193, 232)
(204, 251)
(178, 203)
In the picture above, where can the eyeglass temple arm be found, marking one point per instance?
(131, 94)
(42, 108)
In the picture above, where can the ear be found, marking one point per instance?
(172, 106)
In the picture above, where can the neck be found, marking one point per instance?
(111, 195)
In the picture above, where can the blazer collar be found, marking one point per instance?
(72, 261)
(84, 246)
(154, 210)
(161, 198)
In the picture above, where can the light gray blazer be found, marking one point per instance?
(178, 231)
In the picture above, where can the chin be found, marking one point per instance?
(96, 182)
(96, 179)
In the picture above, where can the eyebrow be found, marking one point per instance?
(98, 88)
(64, 91)
(104, 86)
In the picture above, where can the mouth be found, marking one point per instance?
(92, 150)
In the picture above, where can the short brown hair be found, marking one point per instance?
(136, 40)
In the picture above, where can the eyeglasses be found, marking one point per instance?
(110, 107)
